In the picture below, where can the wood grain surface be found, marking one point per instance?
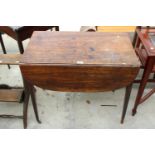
(80, 61)
(11, 95)
(79, 78)
(72, 47)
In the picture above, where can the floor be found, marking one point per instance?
(73, 110)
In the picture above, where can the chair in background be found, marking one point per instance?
(17, 94)
(21, 33)
(144, 43)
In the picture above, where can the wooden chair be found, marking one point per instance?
(145, 49)
(16, 94)
(21, 33)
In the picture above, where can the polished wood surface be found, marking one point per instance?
(145, 50)
(106, 49)
(79, 61)
(79, 78)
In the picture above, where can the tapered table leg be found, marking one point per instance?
(26, 102)
(34, 103)
(29, 91)
(126, 101)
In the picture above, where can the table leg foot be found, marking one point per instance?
(25, 109)
(122, 121)
(126, 101)
(134, 112)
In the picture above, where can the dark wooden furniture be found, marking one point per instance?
(144, 43)
(10, 94)
(21, 33)
(6, 92)
(3, 47)
(2, 44)
(80, 62)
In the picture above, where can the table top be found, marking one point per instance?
(79, 61)
(80, 48)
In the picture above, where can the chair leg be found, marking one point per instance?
(57, 28)
(143, 83)
(20, 45)
(34, 104)
(29, 90)
(3, 47)
(126, 101)
(2, 44)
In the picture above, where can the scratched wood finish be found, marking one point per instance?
(72, 47)
(80, 61)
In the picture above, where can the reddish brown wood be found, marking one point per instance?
(126, 101)
(29, 91)
(145, 50)
(147, 95)
(147, 71)
(79, 78)
(145, 41)
(80, 61)
(106, 49)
